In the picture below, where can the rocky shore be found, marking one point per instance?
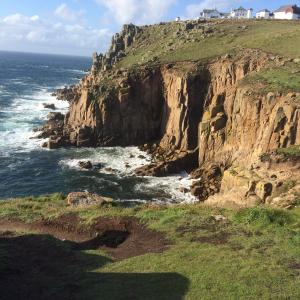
(201, 118)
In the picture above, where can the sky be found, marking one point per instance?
(81, 27)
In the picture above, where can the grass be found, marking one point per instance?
(172, 43)
(292, 151)
(282, 79)
(255, 254)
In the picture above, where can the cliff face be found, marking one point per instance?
(184, 107)
(201, 117)
(128, 115)
(239, 124)
(120, 42)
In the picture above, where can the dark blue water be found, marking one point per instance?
(26, 82)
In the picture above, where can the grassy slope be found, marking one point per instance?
(256, 255)
(161, 41)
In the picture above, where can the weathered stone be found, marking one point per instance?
(219, 218)
(85, 165)
(219, 122)
(55, 116)
(86, 199)
(49, 106)
(263, 190)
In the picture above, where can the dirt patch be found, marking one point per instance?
(208, 225)
(294, 266)
(215, 230)
(121, 237)
(220, 238)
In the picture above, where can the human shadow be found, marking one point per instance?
(41, 267)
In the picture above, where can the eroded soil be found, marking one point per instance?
(119, 236)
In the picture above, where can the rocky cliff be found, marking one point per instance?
(194, 115)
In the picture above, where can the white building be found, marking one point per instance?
(263, 14)
(210, 14)
(241, 13)
(287, 12)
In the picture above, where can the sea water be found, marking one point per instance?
(26, 83)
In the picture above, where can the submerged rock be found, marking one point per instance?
(87, 165)
(49, 106)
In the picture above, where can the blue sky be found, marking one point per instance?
(80, 27)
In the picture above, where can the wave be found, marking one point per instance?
(21, 117)
(121, 162)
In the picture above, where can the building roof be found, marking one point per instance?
(288, 9)
(210, 10)
(264, 10)
(241, 9)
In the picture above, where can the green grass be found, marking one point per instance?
(30, 209)
(255, 254)
(292, 151)
(160, 43)
(282, 79)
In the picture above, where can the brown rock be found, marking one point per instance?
(86, 199)
(49, 106)
(87, 165)
(263, 189)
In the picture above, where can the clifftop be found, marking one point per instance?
(203, 40)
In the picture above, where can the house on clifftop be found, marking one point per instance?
(210, 14)
(287, 12)
(263, 14)
(241, 13)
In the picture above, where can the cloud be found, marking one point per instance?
(32, 33)
(137, 11)
(67, 14)
(193, 10)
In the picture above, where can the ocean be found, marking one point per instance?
(26, 82)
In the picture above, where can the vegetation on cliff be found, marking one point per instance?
(198, 41)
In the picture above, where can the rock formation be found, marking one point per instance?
(193, 116)
(120, 42)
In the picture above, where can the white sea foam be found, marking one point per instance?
(25, 111)
(123, 161)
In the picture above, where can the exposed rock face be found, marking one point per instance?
(201, 108)
(67, 93)
(185, 109)
(120, 42)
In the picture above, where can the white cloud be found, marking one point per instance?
(193, 10)
(67, 14)
(137, 11)
(32, 33)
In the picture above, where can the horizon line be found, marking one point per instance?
(43, 53)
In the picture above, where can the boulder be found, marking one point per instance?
(76, 199)
(49, 106)
(55, 116)
(87, 165)
(219, 218)
(55, 142)
(263, 190)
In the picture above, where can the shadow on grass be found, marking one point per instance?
(42, 267)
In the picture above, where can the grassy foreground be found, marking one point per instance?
(254, 254)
